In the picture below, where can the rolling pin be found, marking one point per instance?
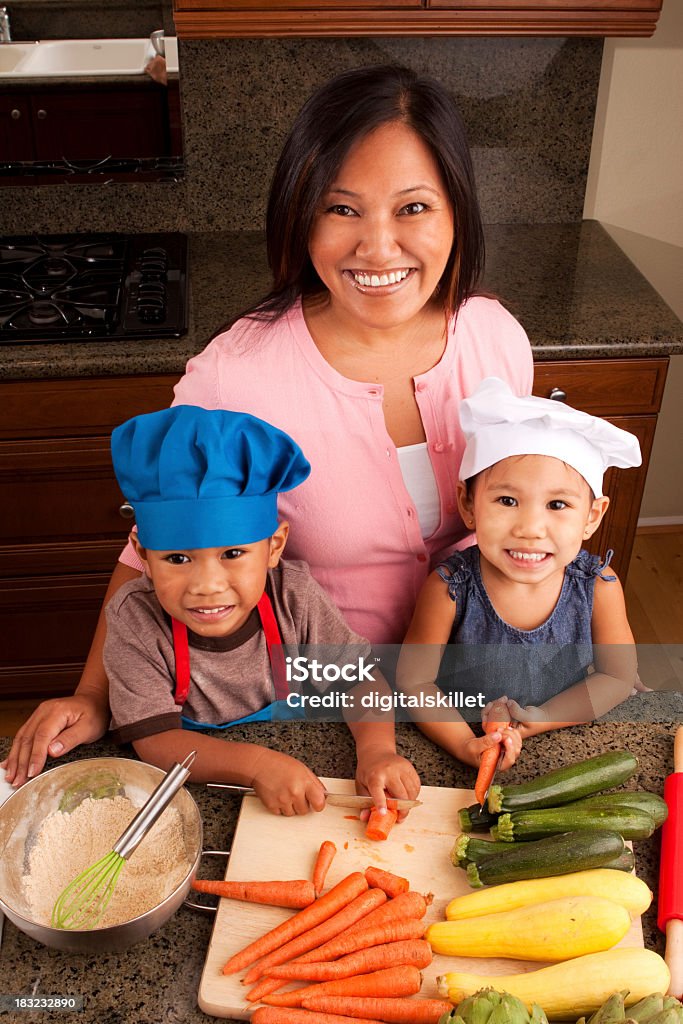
(670, 915)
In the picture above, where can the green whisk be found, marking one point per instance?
(85, 899)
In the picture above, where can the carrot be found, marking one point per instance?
(300, 893)
(391, 884)
(325, 857)
(395, 981)
(391, 932)
(390, 954)
(290, 1015)
(352, 912)
(489, 758)
(264, 987)
(375, 928)
(328, 905)
(392, 1011)
(380, 825)
(381, 936)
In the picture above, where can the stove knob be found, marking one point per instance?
(126, 511)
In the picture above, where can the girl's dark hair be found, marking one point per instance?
(335, 117)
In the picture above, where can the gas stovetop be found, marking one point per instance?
(92, 287)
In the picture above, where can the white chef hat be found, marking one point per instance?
(497, 424)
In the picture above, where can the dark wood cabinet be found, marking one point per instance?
(628, 392)
(60, 531)
(87, 123)
(16, 135)
(201, 19)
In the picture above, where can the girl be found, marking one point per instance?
(528, 609)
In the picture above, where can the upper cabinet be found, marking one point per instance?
(204, 19)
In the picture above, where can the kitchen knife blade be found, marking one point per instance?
(670, 910)
(351, 800)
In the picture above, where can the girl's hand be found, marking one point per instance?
(510, 737)
(286, 786)
(381, 772)
(528, 719)
(55, 728)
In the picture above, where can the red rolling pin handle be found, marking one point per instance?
(671, 862)
(670, 917)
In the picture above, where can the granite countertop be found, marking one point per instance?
(573, 289)
(158, 979)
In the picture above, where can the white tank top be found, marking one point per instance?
(420, 482)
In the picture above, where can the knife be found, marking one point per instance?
(351, 800)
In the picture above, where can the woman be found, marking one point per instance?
(370, 336)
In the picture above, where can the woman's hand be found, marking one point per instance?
(381, 772)
(55, 728)
(286, 786)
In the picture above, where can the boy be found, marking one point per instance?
(197, 641)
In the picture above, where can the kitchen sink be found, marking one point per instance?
(69, 58)
(12, 54)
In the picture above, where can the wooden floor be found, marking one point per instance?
(654, 598)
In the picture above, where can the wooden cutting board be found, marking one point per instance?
(267, 847)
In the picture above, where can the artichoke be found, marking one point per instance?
(490, 1007)
(653, 1009)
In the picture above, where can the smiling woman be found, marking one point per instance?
(366, 373)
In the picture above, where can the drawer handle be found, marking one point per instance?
(15, 114)
(42, 114)
(557, 395)
(126, 511)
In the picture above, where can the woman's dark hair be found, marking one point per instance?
(335, 117)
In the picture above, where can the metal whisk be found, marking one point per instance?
(85, 899)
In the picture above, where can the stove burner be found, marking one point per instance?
(66, 287)
(42, 313)
(56, 267)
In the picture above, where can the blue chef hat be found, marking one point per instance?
(204, 478)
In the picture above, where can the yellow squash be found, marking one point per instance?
(558, 930)
(574, 988)
(628, 890)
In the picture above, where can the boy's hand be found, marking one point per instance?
(55, 727)
(286, 786)
(381, 772)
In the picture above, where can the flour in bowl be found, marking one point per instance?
(67, 843)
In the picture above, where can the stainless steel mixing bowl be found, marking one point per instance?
(23, 813)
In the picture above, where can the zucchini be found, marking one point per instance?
(475, 819)
(467, 848)
(577, 986)
(565, 784)
(624, 862)
(622, 888)
(556, 855)
(559, 929)
(629, 822)
(654, 805)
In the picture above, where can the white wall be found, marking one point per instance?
(635, 188)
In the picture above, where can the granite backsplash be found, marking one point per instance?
(528, 104)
